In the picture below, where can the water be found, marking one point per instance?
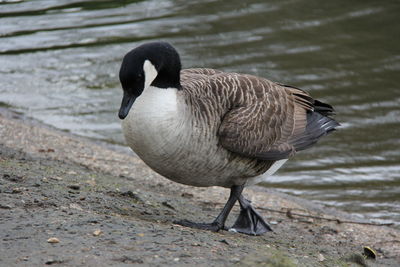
(59, 62)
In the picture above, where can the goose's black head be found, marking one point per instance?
(152, 64)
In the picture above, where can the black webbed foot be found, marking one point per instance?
(219, 222)
(214, 227)
(249, 222)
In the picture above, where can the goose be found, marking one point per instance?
(205, 127)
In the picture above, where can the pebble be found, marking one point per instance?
(308, 220)
(53, 261)
(49, 150)
(53, 240)
(224, 241)
(187, 195)
(75, 206)
(6, 207)
(17, 190)
(166, 204)
(74, 186)
(321, 257)
(97, 232)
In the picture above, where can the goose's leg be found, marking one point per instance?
(249, 221)
(219, 222)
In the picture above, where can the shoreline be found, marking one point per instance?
(84, 187)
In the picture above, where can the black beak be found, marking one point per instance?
(127, 102)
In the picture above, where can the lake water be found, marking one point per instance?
(59, 63)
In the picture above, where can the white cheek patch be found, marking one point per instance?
(150, 73)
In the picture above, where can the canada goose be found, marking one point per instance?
(205, 127)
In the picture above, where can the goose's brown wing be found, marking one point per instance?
(275, 125)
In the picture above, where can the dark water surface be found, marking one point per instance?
(59, 62)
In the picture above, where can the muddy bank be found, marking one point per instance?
(67, 201)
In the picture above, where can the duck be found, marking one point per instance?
(204, 127)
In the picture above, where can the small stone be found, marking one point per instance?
(321, 257)
(87, 249)
(97, 232)
(53, 240)
(74, 186)
(49, 150)
(91, 182)
(176, 259)
(166, 204)
(45, 180)
(224, 241)
(289, 214)
(16, 190)
(6, 207)
(187, 195)
(141, 234)
(132, 195)
(75, 206)
(53, 261)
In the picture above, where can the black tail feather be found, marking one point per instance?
(323, 108)
(318, 125)
(319, 122)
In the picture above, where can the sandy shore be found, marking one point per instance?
(69, 201)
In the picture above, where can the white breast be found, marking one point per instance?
(159, 129)
(152, 122)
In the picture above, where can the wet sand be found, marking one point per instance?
(69, 201)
